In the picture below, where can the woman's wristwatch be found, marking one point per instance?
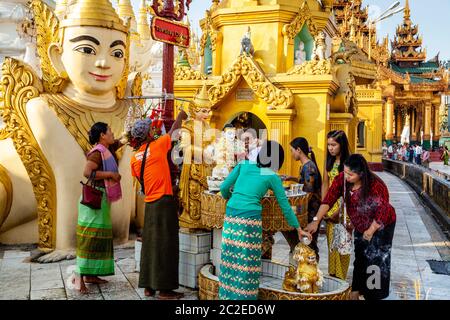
(315, 219)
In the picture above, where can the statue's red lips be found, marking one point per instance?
(100, 77)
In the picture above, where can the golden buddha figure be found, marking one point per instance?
(84, 61)
(195, 137)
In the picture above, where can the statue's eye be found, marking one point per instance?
(118, 54)
(85, 50)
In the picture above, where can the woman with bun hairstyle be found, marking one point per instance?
(94, 253)
(310, 177)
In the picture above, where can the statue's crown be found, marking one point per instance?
(201, 99)
(94, 13)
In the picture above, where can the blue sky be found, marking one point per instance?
(430, 15)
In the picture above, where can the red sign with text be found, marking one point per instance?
(170, 32)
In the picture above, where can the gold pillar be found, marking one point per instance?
(427, 121)
(398, 125)
(437, 129)
(280, 130)
(389, 118)
(413, 125)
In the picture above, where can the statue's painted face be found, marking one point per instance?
(202, 114)
(92, 57)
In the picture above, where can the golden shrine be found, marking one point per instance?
(287, 87)
(412, 88)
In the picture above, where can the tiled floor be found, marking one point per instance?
(417, 238)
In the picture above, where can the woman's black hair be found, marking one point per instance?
(357, 164)
(341, 138)
(271, 155)
(96, 131)
(302, 144)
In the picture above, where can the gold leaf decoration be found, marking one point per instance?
(246, 67)
(47, 27)
(304, 16)
(313, 67)
(19, 84)
(187, 73)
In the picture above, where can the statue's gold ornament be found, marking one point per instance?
(307, 277)
(18, 86)
(6, 192)
(194, 140)
(246, 67)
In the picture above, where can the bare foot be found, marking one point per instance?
(354, 295)
(170, 295)
(148, 292)
(80, 285)
(94, 280)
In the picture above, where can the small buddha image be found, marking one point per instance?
(300, 54)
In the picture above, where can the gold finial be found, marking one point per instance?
(143, 26)
(125, 11)
(201, 99)
(60, 8)
(407, 10)
(95, 13)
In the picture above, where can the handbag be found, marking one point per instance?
(91, 196)
(342, 239)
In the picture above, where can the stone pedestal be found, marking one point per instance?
(194, 254)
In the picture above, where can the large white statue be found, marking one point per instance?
(406, 131)
(300, 54)
(84, 60)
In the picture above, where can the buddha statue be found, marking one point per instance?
(300, 54)
(195, 137)
(227, 152)
(84, 61)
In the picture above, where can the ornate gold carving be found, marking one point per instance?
(214, 207)
(304, 16)
(47, 27)
(18, 86)
(7, 184)
(351, 101)
(313, 67)
(79, 119)
(246, 67)
(209, 31)
(187, 73)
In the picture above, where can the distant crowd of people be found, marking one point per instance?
(413, 153)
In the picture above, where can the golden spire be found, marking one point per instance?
(407, 10)
(143, 27)
(95, 13)
(60, 8)
(126, 12)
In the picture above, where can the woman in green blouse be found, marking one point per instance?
(240, 267)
